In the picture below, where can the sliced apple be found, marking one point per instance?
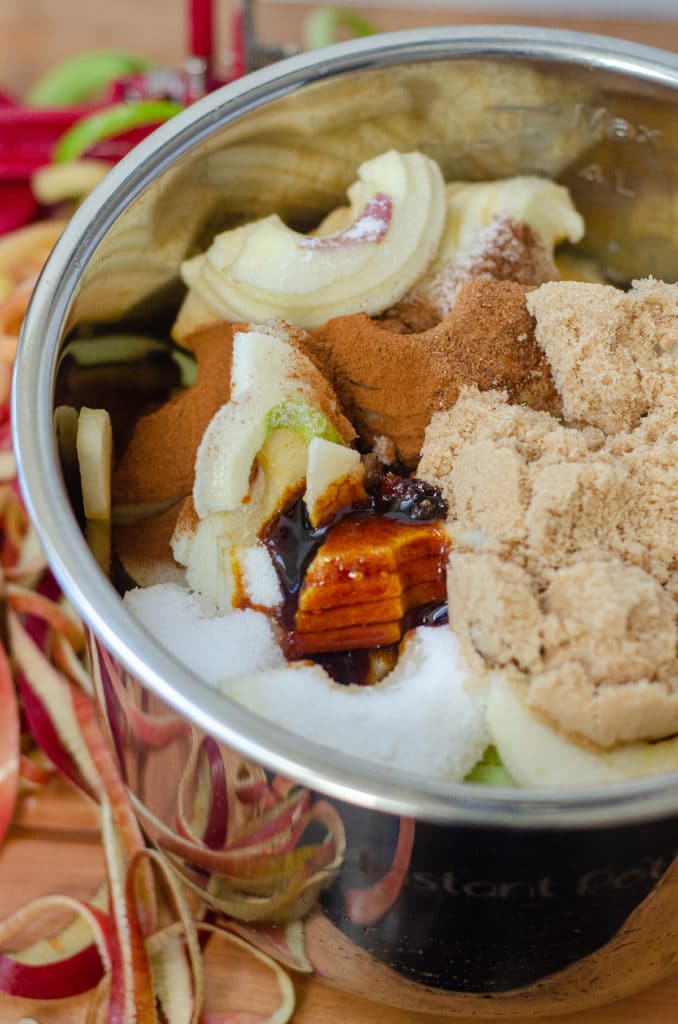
(545, 206)
(226, 453)
(222, 555)
(334, 479)
(282, 460)
(209, 569)
(227, 567)
(262, 359)
(537, 755)
(95, 457)
(302, 418)
(98, 533)
(265, 269)
(273, 386)
(252, 459)
(94, 446)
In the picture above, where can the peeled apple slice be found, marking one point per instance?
(534, 754)
(283, 464)
(66, 429)
(542, 204)
(273, 385)
(252, 459)
(266, 269)
(95, 457)
(226, 453)
(334, 472)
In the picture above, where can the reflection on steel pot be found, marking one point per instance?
(462, 900)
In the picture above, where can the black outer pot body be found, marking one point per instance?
(484, 911)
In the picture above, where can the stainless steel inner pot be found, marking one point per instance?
(596, 114)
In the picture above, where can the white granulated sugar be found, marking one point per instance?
(212, 645)
(260, 580)
(421, 718)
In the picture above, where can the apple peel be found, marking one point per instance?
(9, 744)
(29, 602)
(285, 1009)
(368, 905)
(76, 972)
(53, 691)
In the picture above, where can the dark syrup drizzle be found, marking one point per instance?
(292, 544)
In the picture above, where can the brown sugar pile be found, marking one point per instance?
(390, 384)
(602, 345)
(565, 566)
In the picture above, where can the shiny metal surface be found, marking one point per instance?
(428, 896)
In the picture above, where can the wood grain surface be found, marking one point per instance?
(36, 34)
(53, 845)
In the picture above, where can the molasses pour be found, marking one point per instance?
(379, 566)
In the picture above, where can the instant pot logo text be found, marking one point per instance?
(608, 878)
(456, 884)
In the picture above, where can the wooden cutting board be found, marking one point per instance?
(53, 847)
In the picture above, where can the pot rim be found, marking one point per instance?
(319, 768)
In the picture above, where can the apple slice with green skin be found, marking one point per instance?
(266, 269)
(233, 441)
(535, 754)
(273, 386)
(306, 421)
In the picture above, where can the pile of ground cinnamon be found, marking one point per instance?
(158, 464)
(565, 569)
(390, 383)
(504, 250)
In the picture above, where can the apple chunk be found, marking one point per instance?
(94, 443)
(537, 755)
(94, 446)
(334, 479)
(273, 385)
